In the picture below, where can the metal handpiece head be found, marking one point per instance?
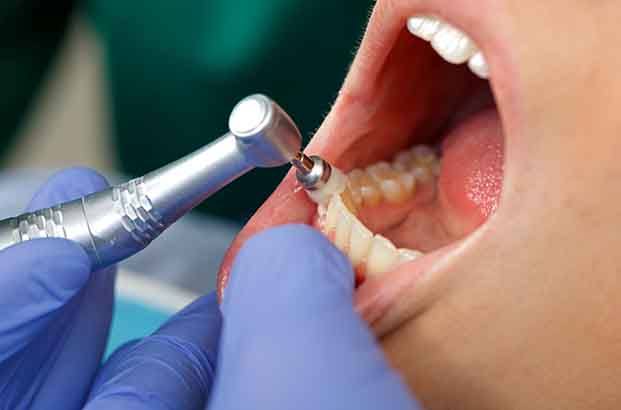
(312, 172)
(320, 179)
(265, 133)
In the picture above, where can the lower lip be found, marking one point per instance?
(386, 302)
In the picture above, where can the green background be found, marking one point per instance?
(174, 70)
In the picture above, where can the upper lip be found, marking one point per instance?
(359, 94)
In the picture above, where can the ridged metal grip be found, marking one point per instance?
(46, 223)
(113, 224)
(116, 223)
(110, 225)
(132, 204)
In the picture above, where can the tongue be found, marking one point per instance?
(470, 180)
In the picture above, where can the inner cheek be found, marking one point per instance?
(376, 117)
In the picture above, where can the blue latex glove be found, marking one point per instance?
(172, 369)
(291, 340)
(55, 315)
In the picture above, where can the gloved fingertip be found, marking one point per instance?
(37, 278)
(60, 266)
(56, 266)
(174, 366)
(289, 263)
(288, 308)
(67, 185)
(111, 366)
(200, 321)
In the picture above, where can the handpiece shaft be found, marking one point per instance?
(116, 223)
(182, 185)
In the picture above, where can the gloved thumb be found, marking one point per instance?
(171, 369)
(38, 277)
(291, 337)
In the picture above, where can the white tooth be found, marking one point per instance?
(359, 243)
(408, 181)
(423, 26)
(332, 215)
(370, 195)
(478, 65)
(422, 173)
(403, 161)
(453, 45)
(388, 181)
(392, 190)
(378, 170)
(423, 154)
(354, 192)
(354, 179)
(335, 185)
(383, 256)
(322, 211)
(408, 255)
(343, 229)
(364, 183)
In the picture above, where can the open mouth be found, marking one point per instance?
(418, 131)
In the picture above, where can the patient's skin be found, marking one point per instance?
(527, 313)
(528, 317)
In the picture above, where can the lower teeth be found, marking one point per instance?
(372, 254)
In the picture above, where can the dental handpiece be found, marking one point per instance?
(116, 223)
(320, 179)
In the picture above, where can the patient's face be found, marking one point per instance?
(481, 213)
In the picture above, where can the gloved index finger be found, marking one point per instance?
(291, 337)
(292, 264)
(37, 278)
(71, 345)
(171, 369)
(67, 185)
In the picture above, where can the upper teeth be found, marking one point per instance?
(449, 42)
(424, 27)
(478, 65)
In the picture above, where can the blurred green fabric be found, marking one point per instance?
(176, 68)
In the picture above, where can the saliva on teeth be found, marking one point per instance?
(342, 196)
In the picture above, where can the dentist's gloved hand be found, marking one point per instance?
(54, 315)
(173, 369)
(290, 340)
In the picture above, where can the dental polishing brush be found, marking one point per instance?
(116, 223)
(320, 179)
